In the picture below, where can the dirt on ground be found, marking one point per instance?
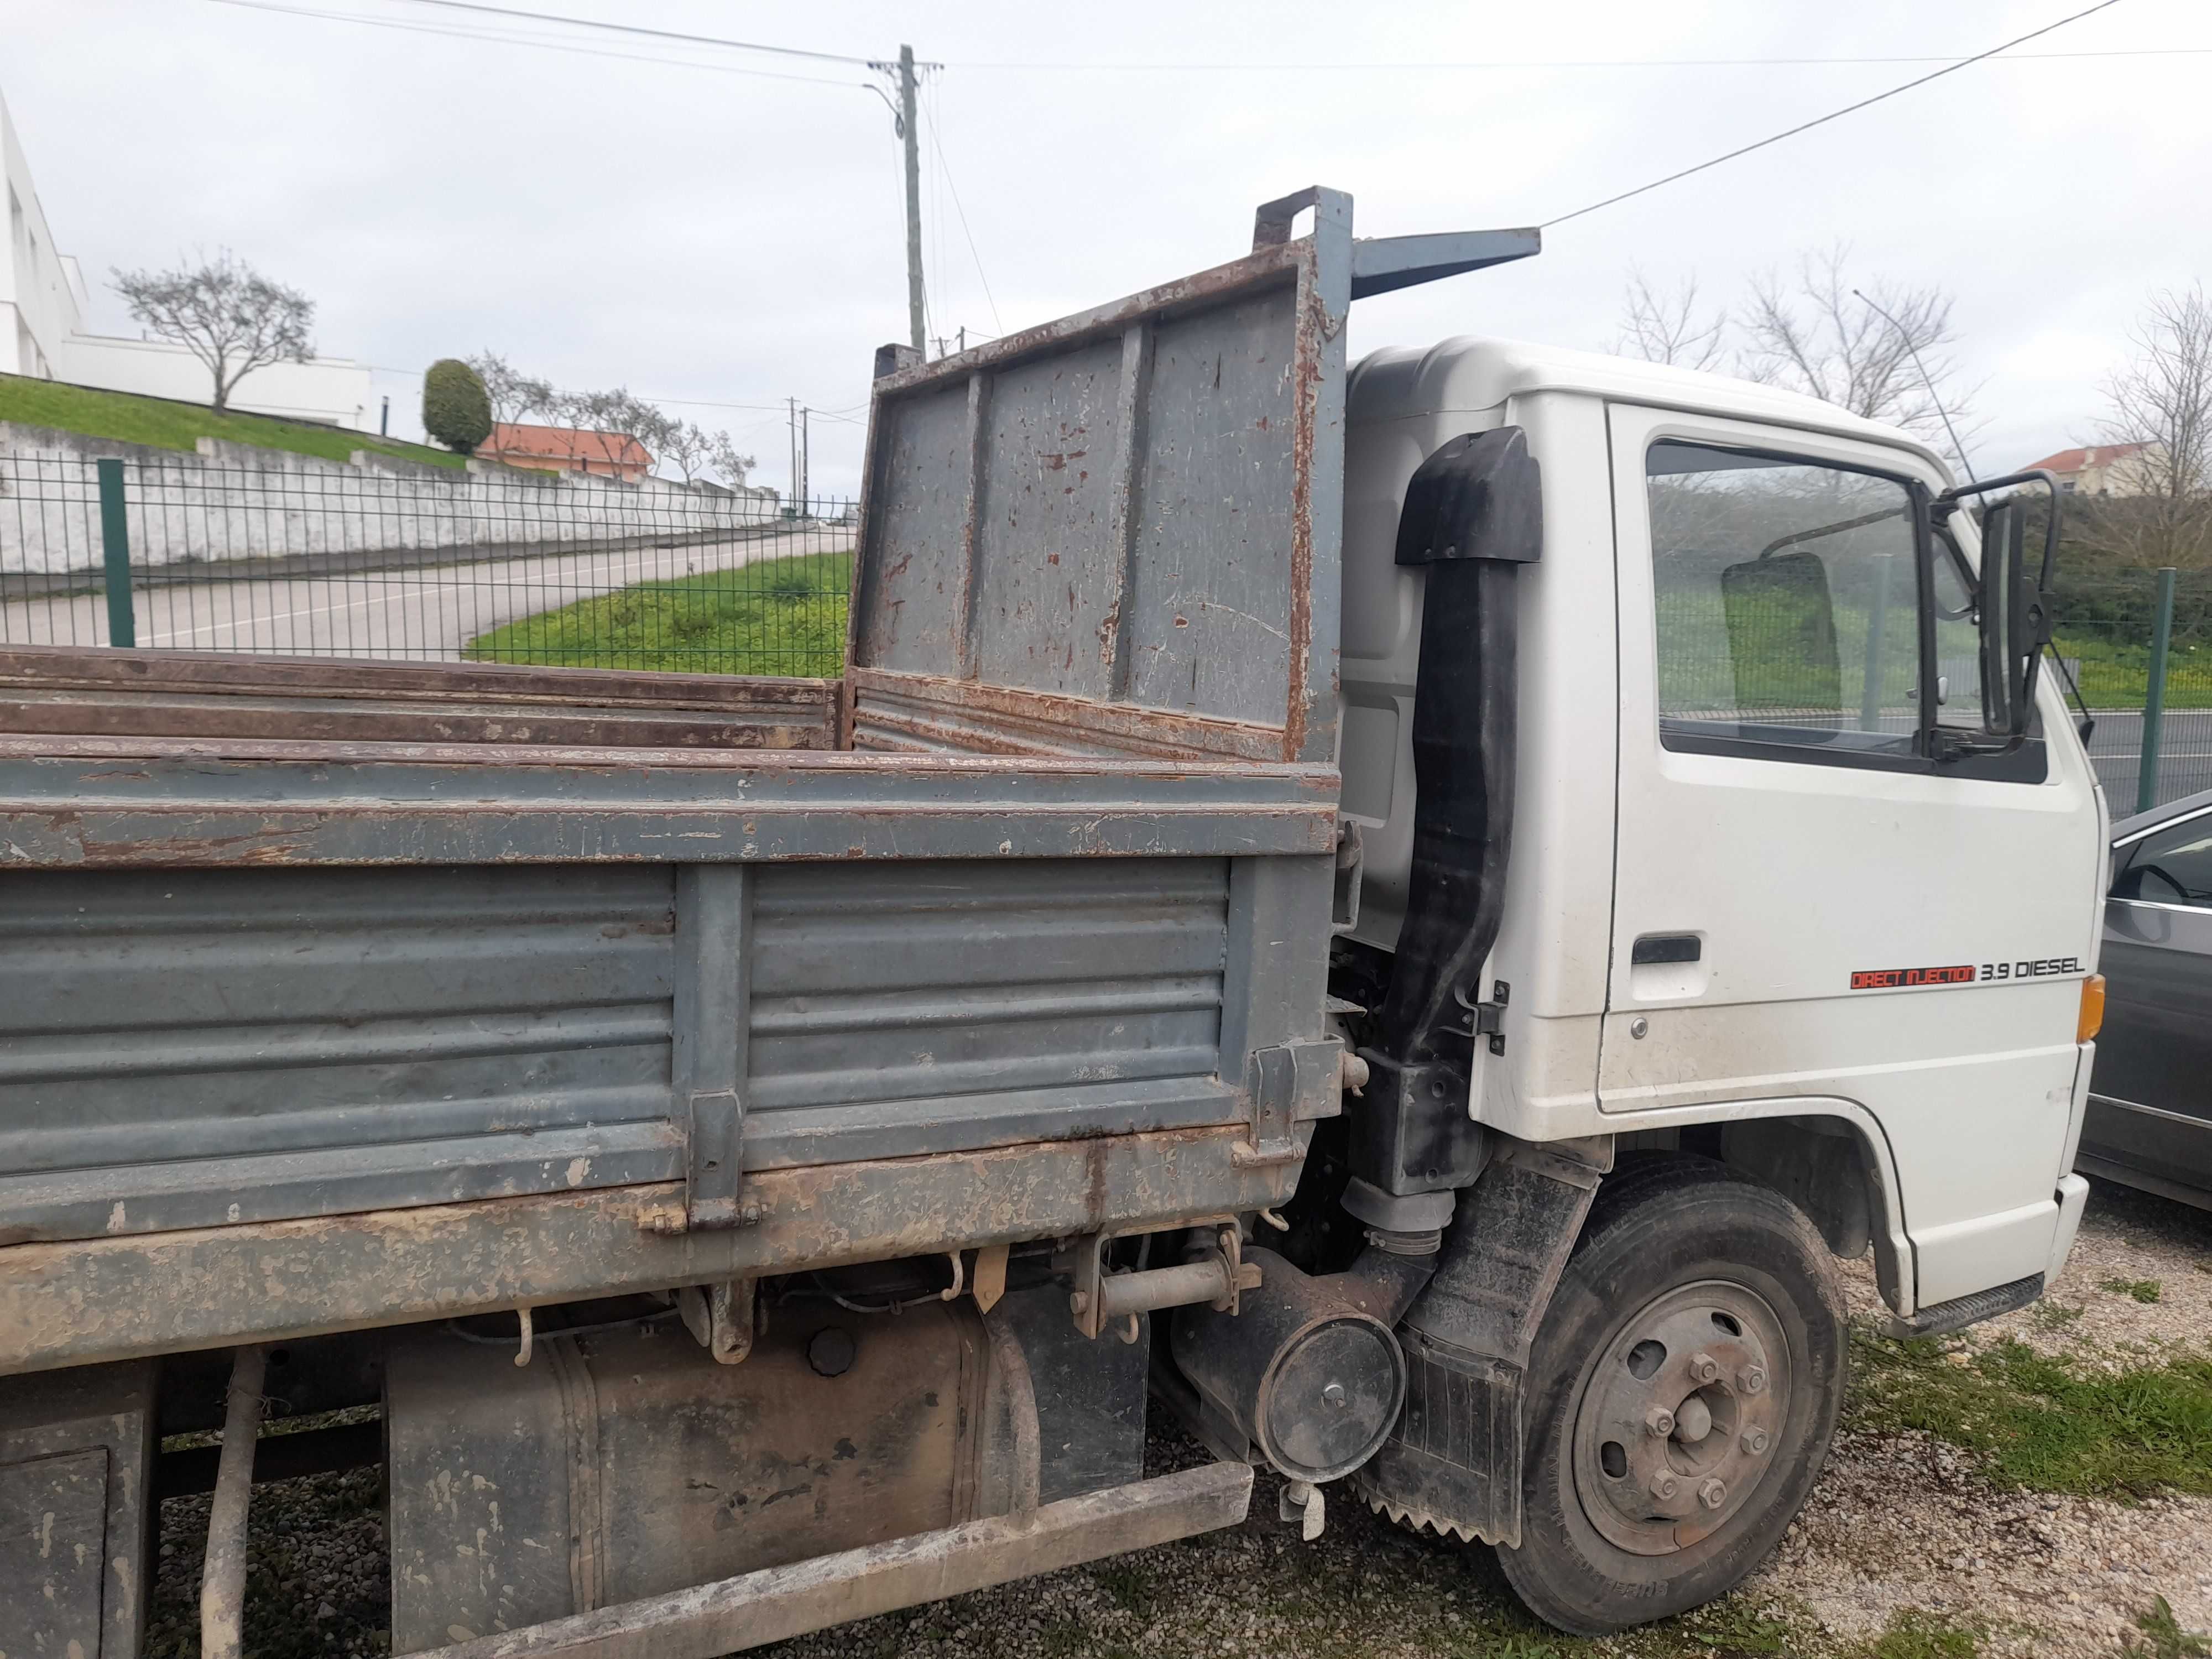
(1904, 1551)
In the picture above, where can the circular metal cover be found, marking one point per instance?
(1330, 1400)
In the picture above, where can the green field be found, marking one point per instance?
(166, 424)
(2114, 675)
(782, 616)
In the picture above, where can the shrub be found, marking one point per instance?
(456, 408)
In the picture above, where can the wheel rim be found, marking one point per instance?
(1680, 1419)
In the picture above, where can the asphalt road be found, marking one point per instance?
(421, 613)
(2185, 754)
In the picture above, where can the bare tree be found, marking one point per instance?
(225, 313)
(726, 464)
(515, 395)
(1820, 335)
(1667, 328)
(620, 412)
(2161, 398)
(687, 449)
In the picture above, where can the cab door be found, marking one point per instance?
(1808, 907)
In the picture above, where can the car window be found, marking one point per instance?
(2172, 865)
(1787, 611)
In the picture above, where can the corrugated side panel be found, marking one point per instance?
(186, 1048)
(903, 1008)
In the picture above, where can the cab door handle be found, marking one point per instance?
(1654, 948)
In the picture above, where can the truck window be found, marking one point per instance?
(1786, 603)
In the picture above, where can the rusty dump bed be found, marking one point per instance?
(343, 995)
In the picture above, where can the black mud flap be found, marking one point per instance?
(1454, 1461)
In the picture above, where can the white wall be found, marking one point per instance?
(229, 501)
(330, 390)
(42, 302)
(42, 305)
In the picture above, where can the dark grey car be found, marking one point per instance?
(2149, 1122)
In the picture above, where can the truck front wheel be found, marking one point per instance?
(1682, 1395)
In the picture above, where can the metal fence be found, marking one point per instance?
(2140, 643)
(313, 560)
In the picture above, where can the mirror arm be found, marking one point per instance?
(1951, 500)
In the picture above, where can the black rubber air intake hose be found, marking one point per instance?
(1472, 516)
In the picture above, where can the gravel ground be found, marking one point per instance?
(1899, 1528)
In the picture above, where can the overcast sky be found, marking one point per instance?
(729, 237)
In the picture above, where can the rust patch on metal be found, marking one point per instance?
(1042, 723)
(123, 1295)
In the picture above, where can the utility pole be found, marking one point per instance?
(911, 130)
(805, 458)
(792, 404)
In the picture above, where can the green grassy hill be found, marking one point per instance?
(166, 424)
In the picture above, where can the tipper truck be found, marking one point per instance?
(1402, 918)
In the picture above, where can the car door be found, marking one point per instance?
(1808, 907)
(2151, 1095)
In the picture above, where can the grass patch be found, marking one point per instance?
(1913, 1634)
(2114, 675)
(2054, 1316)
(165, 424)
(2144, 1291)
(782, 616)
(2163, 1637)
(2042, 1425)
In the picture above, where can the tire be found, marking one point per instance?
(1679, 1253)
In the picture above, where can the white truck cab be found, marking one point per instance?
(1718, 844)
(1730, 900)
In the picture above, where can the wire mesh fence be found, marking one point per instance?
(2153, 707)
(315, 561)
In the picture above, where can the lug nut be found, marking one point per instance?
(1713, 1493)
(1659, 1422)
(1664, 1486)
(1752, 1380)
(1704, 1368)
(1753, 1442)
(1334, 1394)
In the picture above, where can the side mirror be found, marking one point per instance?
(2014, 624)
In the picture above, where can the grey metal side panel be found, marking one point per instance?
(53, 1552)
(180, 1049)
(914, 612)
(926, 1006)
(1047, 574)
(76, 1456)
(208, 1048)
(1136, 528)
(79, 803)
(1212, 583)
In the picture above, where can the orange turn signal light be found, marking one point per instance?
(2093, 1009)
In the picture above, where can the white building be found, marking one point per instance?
(42, 305)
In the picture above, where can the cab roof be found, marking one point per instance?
(1473, 372)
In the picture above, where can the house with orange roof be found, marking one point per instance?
(567, 449)
(2104, 469)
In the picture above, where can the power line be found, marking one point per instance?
(936, 144)
(572, 48)
(1833, 115)
(639, 29)
(1430, 66)
(1450, 66)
